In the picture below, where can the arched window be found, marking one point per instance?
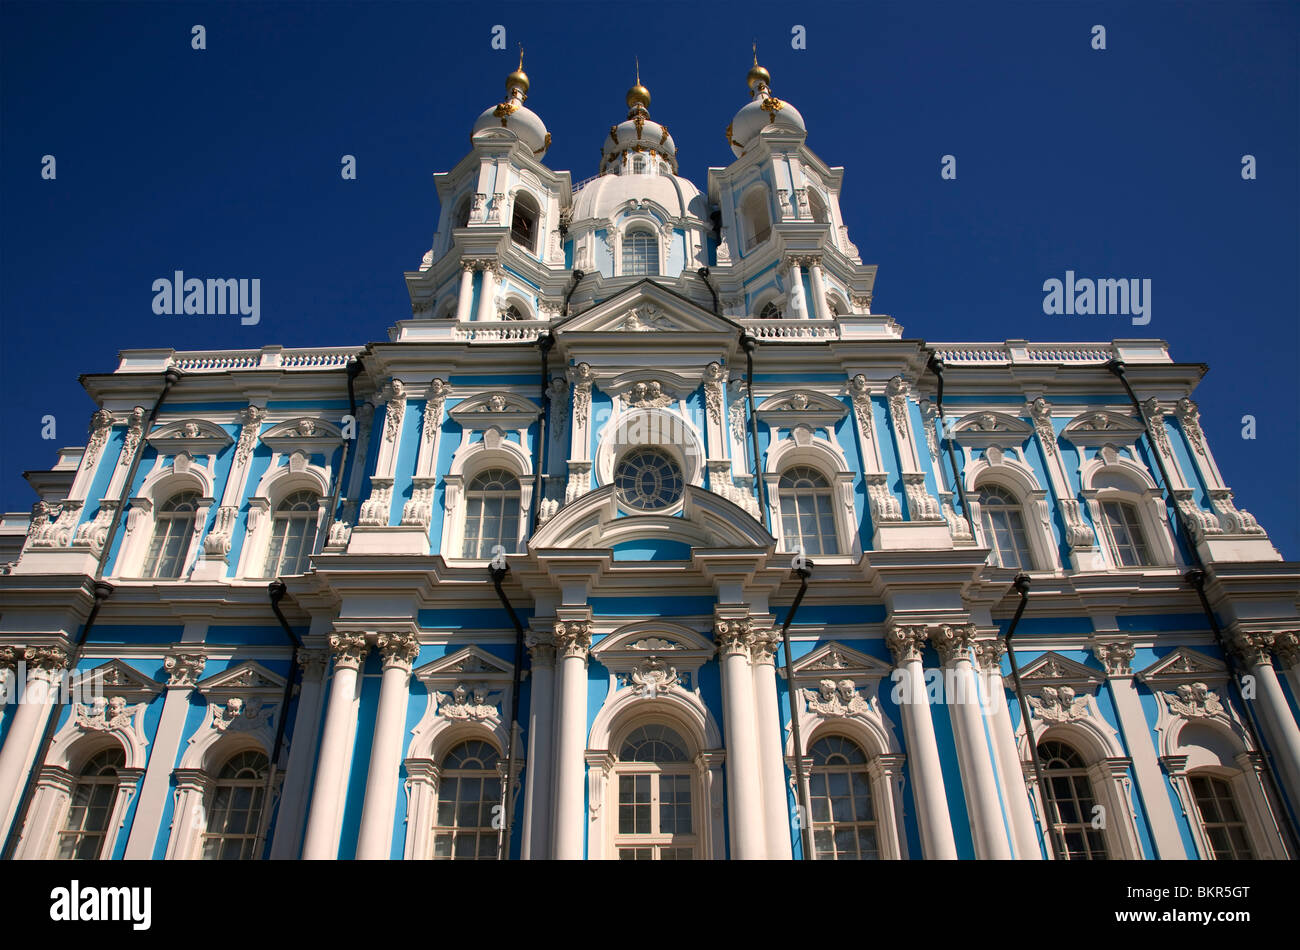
(648, 480)
(1004, 528)
(513, 312)
(807, 515)
(757, 218)
(461, 218)
(491, 513)
(235, 815)
(844, 820)
(640, 252)
(86, 824)
(1072, 804)
(656, 817)
(638, 164)
(293, 534)
(523, 223)
(818, 208)
(771, 311)
(1220, 818)
(469, 789)
(1123, 526)
(173, 527)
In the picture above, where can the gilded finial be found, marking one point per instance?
(758, 76)
(638, 97)
(518, 79)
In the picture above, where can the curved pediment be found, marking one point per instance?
(306, 434)
(189, 436)
(1100, 427)
(980, 430)
(593, 520)
(504, 410)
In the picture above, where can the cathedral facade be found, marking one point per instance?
(645, 538)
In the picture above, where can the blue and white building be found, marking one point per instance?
(648, 401)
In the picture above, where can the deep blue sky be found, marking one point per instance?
(225, 162)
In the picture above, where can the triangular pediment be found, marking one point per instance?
(1051, 669)
(643, 311)
(1183, 666)
(116, 678)
(835, 659)
(471, 663)
(243, 679)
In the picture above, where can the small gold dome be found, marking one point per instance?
(758, 75)
(638, 95)
(518, 79)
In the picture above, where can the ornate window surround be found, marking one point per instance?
(1199, 733)
(115, 718)
(162, 483)
(749, 241)
(277, 483)
(494, 450)
(242, 703)
(468, 698)
(654, 678)
(827, 706)
(1063, 703)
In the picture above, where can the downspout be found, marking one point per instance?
(1021, 584)
(498, 569)
(1196, 578)
(935, 365)
(354, 369)
(276, 591)
(545, 341)
(751, 345)
(573, 285)
(704, 276)
(803, 567)
(101, 593)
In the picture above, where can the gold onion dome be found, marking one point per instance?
(764, 113)
(758, 76)
(512, 116)
(518, 79)
(638, 95)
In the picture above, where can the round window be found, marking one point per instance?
(648, 480)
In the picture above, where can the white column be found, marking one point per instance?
(1011, 776)
(325, 819)
(818, 310)
(1281, 731)
(1287, 645)
(541, 726)
(45, 665)
(744, 774)
(487, 293)
(953, 641)
(1152, 785)
(796, 291)
(375, 839)
(572, 641)
(287, 842)
(906, 641)
(776, 814)
(466, 298)
(183, 671)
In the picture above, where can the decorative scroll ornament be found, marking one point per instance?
(713, 376)
(1234, 520)
(653, 677)
(558, 392)
(184, 669)
(572, 638)
(582, 377)
(101, 424)
(733, 636)
(1195, 701)
(736, 411)
(1117, 657)
(930, 421)
(396, 410)
(1190, 419)
(1155, 418)
(250, 421)
(239, 715)
(1058, 704)
(833, 699)
(906, 641)
(134, 429)
(921, 505)
(349, 649)
(884, 506)
(896, 390)
(953, 640)
(648, 395)
(645, 320)
(376, 508)
(398, 649)
(217, 541)
(861, 398)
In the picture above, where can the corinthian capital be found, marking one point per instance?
(349, 650)
(398, 649)
(45, 662)
(541, 648)
(1254, 648)
(906, 641)
(1286, 643)
(1115, 655)
(733, 636)
(572, 638)
(953, 641)
(763, 646)
(989, 653)
(184, 669)
(8, 658)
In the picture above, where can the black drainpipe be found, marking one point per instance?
(1196, 578)
(545, 342)
(935, 365)
(573, 285)
(704, 276)
(276, 591)
(803, 567)
(354, 369)
(751, 345)
(498, 569)
(101, 593)
(1021, 584)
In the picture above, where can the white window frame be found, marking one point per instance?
(749, 231)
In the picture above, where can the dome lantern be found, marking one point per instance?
(764, 113)
(514, 116)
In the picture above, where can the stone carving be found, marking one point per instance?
(1195, 701)
(1233, 520)
(217, 542)
(250, 421)
(582, 377)
(1155, 419)
(101, 425)
(398, 649)
(472, 703)
(834, 699)
(884, 506)
(396, 410)
(648, 395)
(93, 533)
(419, 509)
(1117, 657)
(184, 669)
(906, 641)
(921, 505)
(134, 429)
(559, 396)
(239, 715)
(713, 376)
(105, 715)
(733, 636)
(861, 398)
(572, 638)
(1190, 419)
(349, 650)
(653, 677)
(646, 319)
(376, 508)
(1058, 704)
(953, 640)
